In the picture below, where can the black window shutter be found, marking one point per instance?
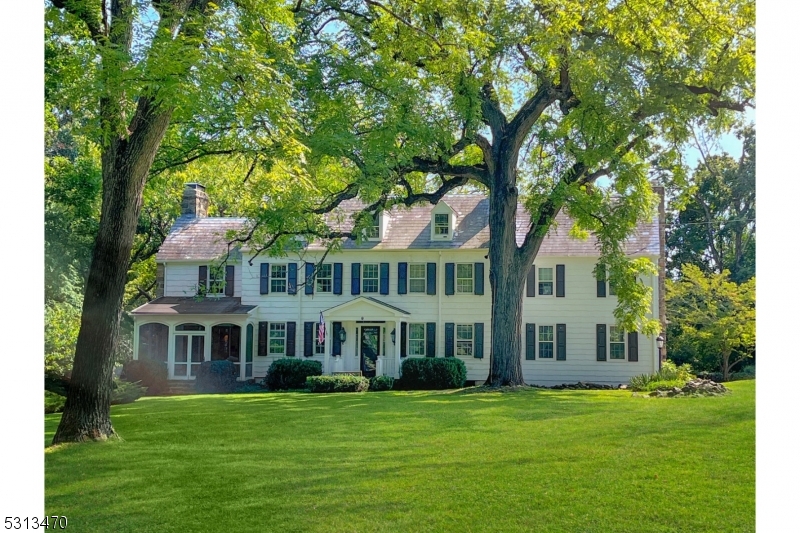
(633, 346)
(402, 278)
(449, 278)
(291, 273)
(530, 341)
(384, 278)
(202, 275)
(229, 284)
(561, 342)
(403, 337)
(601, 281)
(431, 278)
(337, 278)
(291, 338)
(309, 278)
(477, 350)
(308, 339)
(355, 278)
(559, 281)
(264, 278)
(479, 280)
(530, 289)
(601, 342)
(430, 339)
(263, 332)
(337, 344)
(449, 339)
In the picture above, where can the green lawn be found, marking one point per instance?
(538, 460)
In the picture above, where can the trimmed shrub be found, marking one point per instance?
(53, 403)
(216, 376)
(432, 373)
(337, 383)
(379, 383)
(126, 392)
(289, 373)
(148, 373)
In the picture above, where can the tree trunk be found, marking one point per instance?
(507, 275)
(126, 164)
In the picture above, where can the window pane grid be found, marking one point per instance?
(441, 224)
(416, 339)
(278, 281)
(216, 280)
(325, 279)
(370, 283)
(616, 337)
(416, 275)
(546, 281)
(546, 342)
(319, 348)
(464, 339)
(277, 338)
(464, 278)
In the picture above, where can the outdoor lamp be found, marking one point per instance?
(342, 335)
(393, 336)
(660, 342)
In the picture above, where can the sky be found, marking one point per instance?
(21, 161)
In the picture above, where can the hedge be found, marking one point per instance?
(289, 373)
(216, 376)
(379, 383)
(337, 383)
(432, 373)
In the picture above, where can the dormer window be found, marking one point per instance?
(373, 232)
(441, 224)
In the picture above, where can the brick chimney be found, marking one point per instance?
(195, 201)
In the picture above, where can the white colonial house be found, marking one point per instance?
(417, 286)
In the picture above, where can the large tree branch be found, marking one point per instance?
(527, 116)
(86, 12)
(492, 114)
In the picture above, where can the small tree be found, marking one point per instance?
(715, 316)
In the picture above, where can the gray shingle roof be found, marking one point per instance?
(174, 305)
(408, 228)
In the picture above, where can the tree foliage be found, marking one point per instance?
(713, 318)
(713, 220)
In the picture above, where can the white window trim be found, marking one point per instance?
(471, 340)
(319, 349)
(538, 340)
(424, 278)
(539, 280)
(378, 223)
(269, 339)
(455, 281)
(447, 225)
(624, 346)
(273, 277)
(318, 277)
(220, 285)
(364, 278)
(424, 340)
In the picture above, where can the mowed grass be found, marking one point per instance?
(537, 460)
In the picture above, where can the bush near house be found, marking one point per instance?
(432, 373)
(148, 373)
(216, 376)
(288, 373)
(379, 383)
(668, 377)
(337, 383)
(126, 392)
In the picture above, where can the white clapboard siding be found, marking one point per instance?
(181, 277)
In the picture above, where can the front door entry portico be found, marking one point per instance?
(370, 340)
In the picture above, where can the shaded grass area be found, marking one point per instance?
(535, 460)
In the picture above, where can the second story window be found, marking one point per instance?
(278, 278)
(441, 225)
(546, 281)
(325, 278)
(416, 277)
(464, 280)
(370, 283)
(216, 280)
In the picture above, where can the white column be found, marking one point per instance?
(171, 351)
(242, 348)
(135, 338)
(398, 340)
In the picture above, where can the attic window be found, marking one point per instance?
(373, 232)
(441, 224)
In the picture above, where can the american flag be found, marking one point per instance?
(321, 330)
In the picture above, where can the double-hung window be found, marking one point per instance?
(545, 281)
(277, 338)
(216, 280)
(616, 343)
(325, 278)
(319, 347)
(441, 224)
(546, 337)
(370, 282)
(464, 278)
(416, 277)
(277, 278)
(464, 339)
(373, 231)
(416, 339)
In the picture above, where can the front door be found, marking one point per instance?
(370, 340)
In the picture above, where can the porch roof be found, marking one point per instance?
(365, 305)
(174, 305)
